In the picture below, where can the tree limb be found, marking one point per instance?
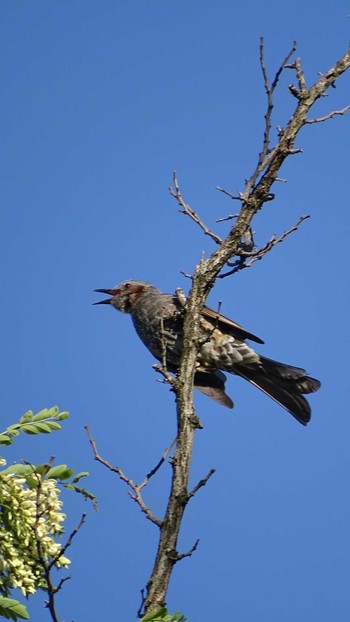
(135, 488)
(257, 191)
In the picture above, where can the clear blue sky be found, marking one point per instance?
(101, 100)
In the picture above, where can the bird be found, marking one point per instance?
(158, 320)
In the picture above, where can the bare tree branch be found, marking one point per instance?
(269, 92)
(186, 209)
(180, 556)
(135, 488)
(330, 115)
(241, 263)
(257, 191)
(200, 484)
(235, 197)
(157, 467)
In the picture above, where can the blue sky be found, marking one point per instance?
(101, 101)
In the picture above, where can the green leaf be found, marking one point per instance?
(13, 428)
(42, 427)
(42, 414)
(59, 472)
(42, 469)
(53, 412)
(162, 615)
(88, 496)
(19, 469)
(54, 425)
(76, 479)
(5, 439)
(155, 616)
(63, 415)
(13, 609)
(26, 417)
(30, 428)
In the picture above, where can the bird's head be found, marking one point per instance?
(126, 296)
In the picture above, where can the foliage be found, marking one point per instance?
(31, 517)
(12, 609)
(43, 422)
(161, 615)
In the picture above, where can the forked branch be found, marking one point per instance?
(257, 191)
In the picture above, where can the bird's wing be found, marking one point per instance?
(228, 326)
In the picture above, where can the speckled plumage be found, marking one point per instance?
(224, 348)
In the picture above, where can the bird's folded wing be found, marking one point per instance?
(228, 326)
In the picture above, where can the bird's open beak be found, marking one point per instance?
(107, 301)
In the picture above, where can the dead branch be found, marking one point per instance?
(330, 115)
(269, 92)
(257, 191)
(241, 263)
(180, 556)
(157, 467)
(188, 211)
(229, 217)
(235, 197)
(136, 489)
(200, 484)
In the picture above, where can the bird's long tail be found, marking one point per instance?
(284, 384)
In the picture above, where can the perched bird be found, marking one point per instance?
(158, 317)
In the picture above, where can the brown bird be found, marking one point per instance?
(157, 316)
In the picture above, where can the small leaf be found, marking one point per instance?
(53, 412)
(54, 425)
(30, 428)
(5, 439)
(59, 472)
(63, 415)
(19, 469)
(13, 609)
(42, 414)
(155, 615)
(13, 428)
(76, 479)
(41, 469)
(26, 417)
(42, 427)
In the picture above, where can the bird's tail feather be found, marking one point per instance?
(283, 383)
(212, 384)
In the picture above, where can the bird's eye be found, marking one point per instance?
(127, 285)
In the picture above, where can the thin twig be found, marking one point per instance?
(140, 611)
(180, 556)
(241, 263)
(301, 93)
(229, 217)
(157, 467)
(269, 89)
(330, 115)
(188, 211)
(235, 197)
(68, 543)
(136, 489)
(200, 484)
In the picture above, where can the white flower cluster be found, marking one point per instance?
(30, 518)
